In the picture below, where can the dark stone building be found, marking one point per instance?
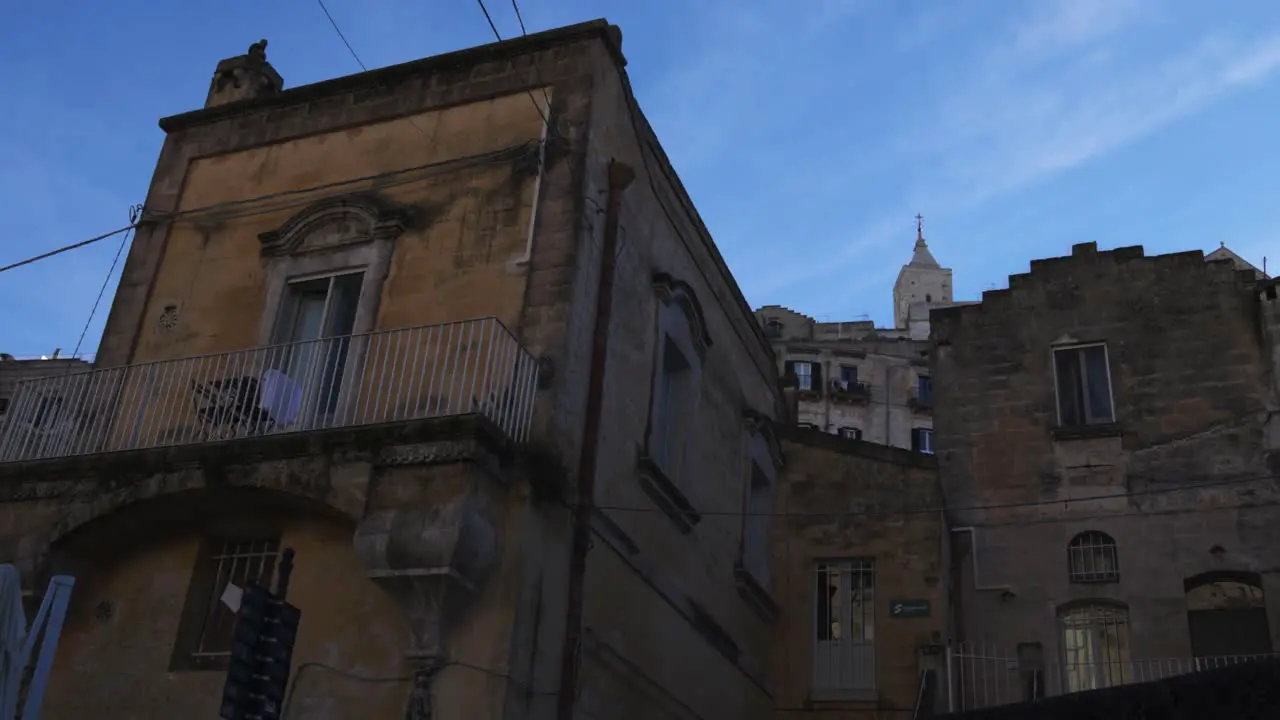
(1107, 438)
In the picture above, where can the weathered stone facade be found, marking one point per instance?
(860, 382)
(870, 515)
(1107, 440)
(14, 371)
(437, 558)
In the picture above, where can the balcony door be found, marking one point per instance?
(317, 316)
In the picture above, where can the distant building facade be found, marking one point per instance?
(16, 370)
(860, 381)
(1108, 441)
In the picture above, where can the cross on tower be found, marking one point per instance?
(919, 226)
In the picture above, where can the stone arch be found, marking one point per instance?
(283, 486)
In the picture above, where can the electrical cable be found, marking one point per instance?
(341, 36)
(68, 248)
(374, 679)
(359, 62)
(135, 213)
(496, 156)
(537, 76)
(925, 510)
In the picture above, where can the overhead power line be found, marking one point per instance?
(536, 75)
(69, 248)
(135, 214)
(341, 36)
(308, 195)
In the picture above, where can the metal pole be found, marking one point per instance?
(951, 676)
(282, 575)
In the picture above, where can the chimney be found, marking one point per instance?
(245, 77)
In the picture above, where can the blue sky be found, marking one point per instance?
(809, 132)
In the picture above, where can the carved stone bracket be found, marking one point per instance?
(428, 453)
(431, 560)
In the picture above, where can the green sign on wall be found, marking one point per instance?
(909, 608)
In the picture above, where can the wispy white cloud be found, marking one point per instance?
(1069, 82)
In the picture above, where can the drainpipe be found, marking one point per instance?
(973, 552)
(828, 378)
(888, 405)
(620, 176)
(523, 259)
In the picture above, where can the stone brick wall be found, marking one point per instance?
(844, 499)
(1183, 480)
(669, 630)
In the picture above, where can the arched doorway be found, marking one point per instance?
(1227, 615)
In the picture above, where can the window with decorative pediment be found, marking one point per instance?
(682, 341)
(325, 269)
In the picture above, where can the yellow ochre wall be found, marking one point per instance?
(455, 263)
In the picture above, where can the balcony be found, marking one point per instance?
(475, 367)
(920, 401)
(850, 392)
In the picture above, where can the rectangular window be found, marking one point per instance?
(851, 433)
(205, 632)
(317, 317)
(922, 440)
(1095, 643)
(804, 375)
(1083, 385)
(671, 401)
(924, 391)
(844, 627)
(758, 527)
(4, 406)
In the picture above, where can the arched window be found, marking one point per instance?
(1227, 616)
(1095, 645)
(1092, 558)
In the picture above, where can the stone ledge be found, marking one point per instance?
(437, 64)
(367, 442)
(1086, 432)
(755, 594)
(667, 495)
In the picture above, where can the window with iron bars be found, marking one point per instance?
(205, 632)
(1095, 645)
(1092, 558)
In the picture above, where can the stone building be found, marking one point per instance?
(864, 382)
(1107, 438)
(430, 307)
(16, 370)
(861, 580)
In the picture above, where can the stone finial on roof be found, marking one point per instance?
(244, 77)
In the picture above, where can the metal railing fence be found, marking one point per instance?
(456, 368)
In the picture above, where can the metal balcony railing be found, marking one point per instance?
(984, 676)
(458, 368)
